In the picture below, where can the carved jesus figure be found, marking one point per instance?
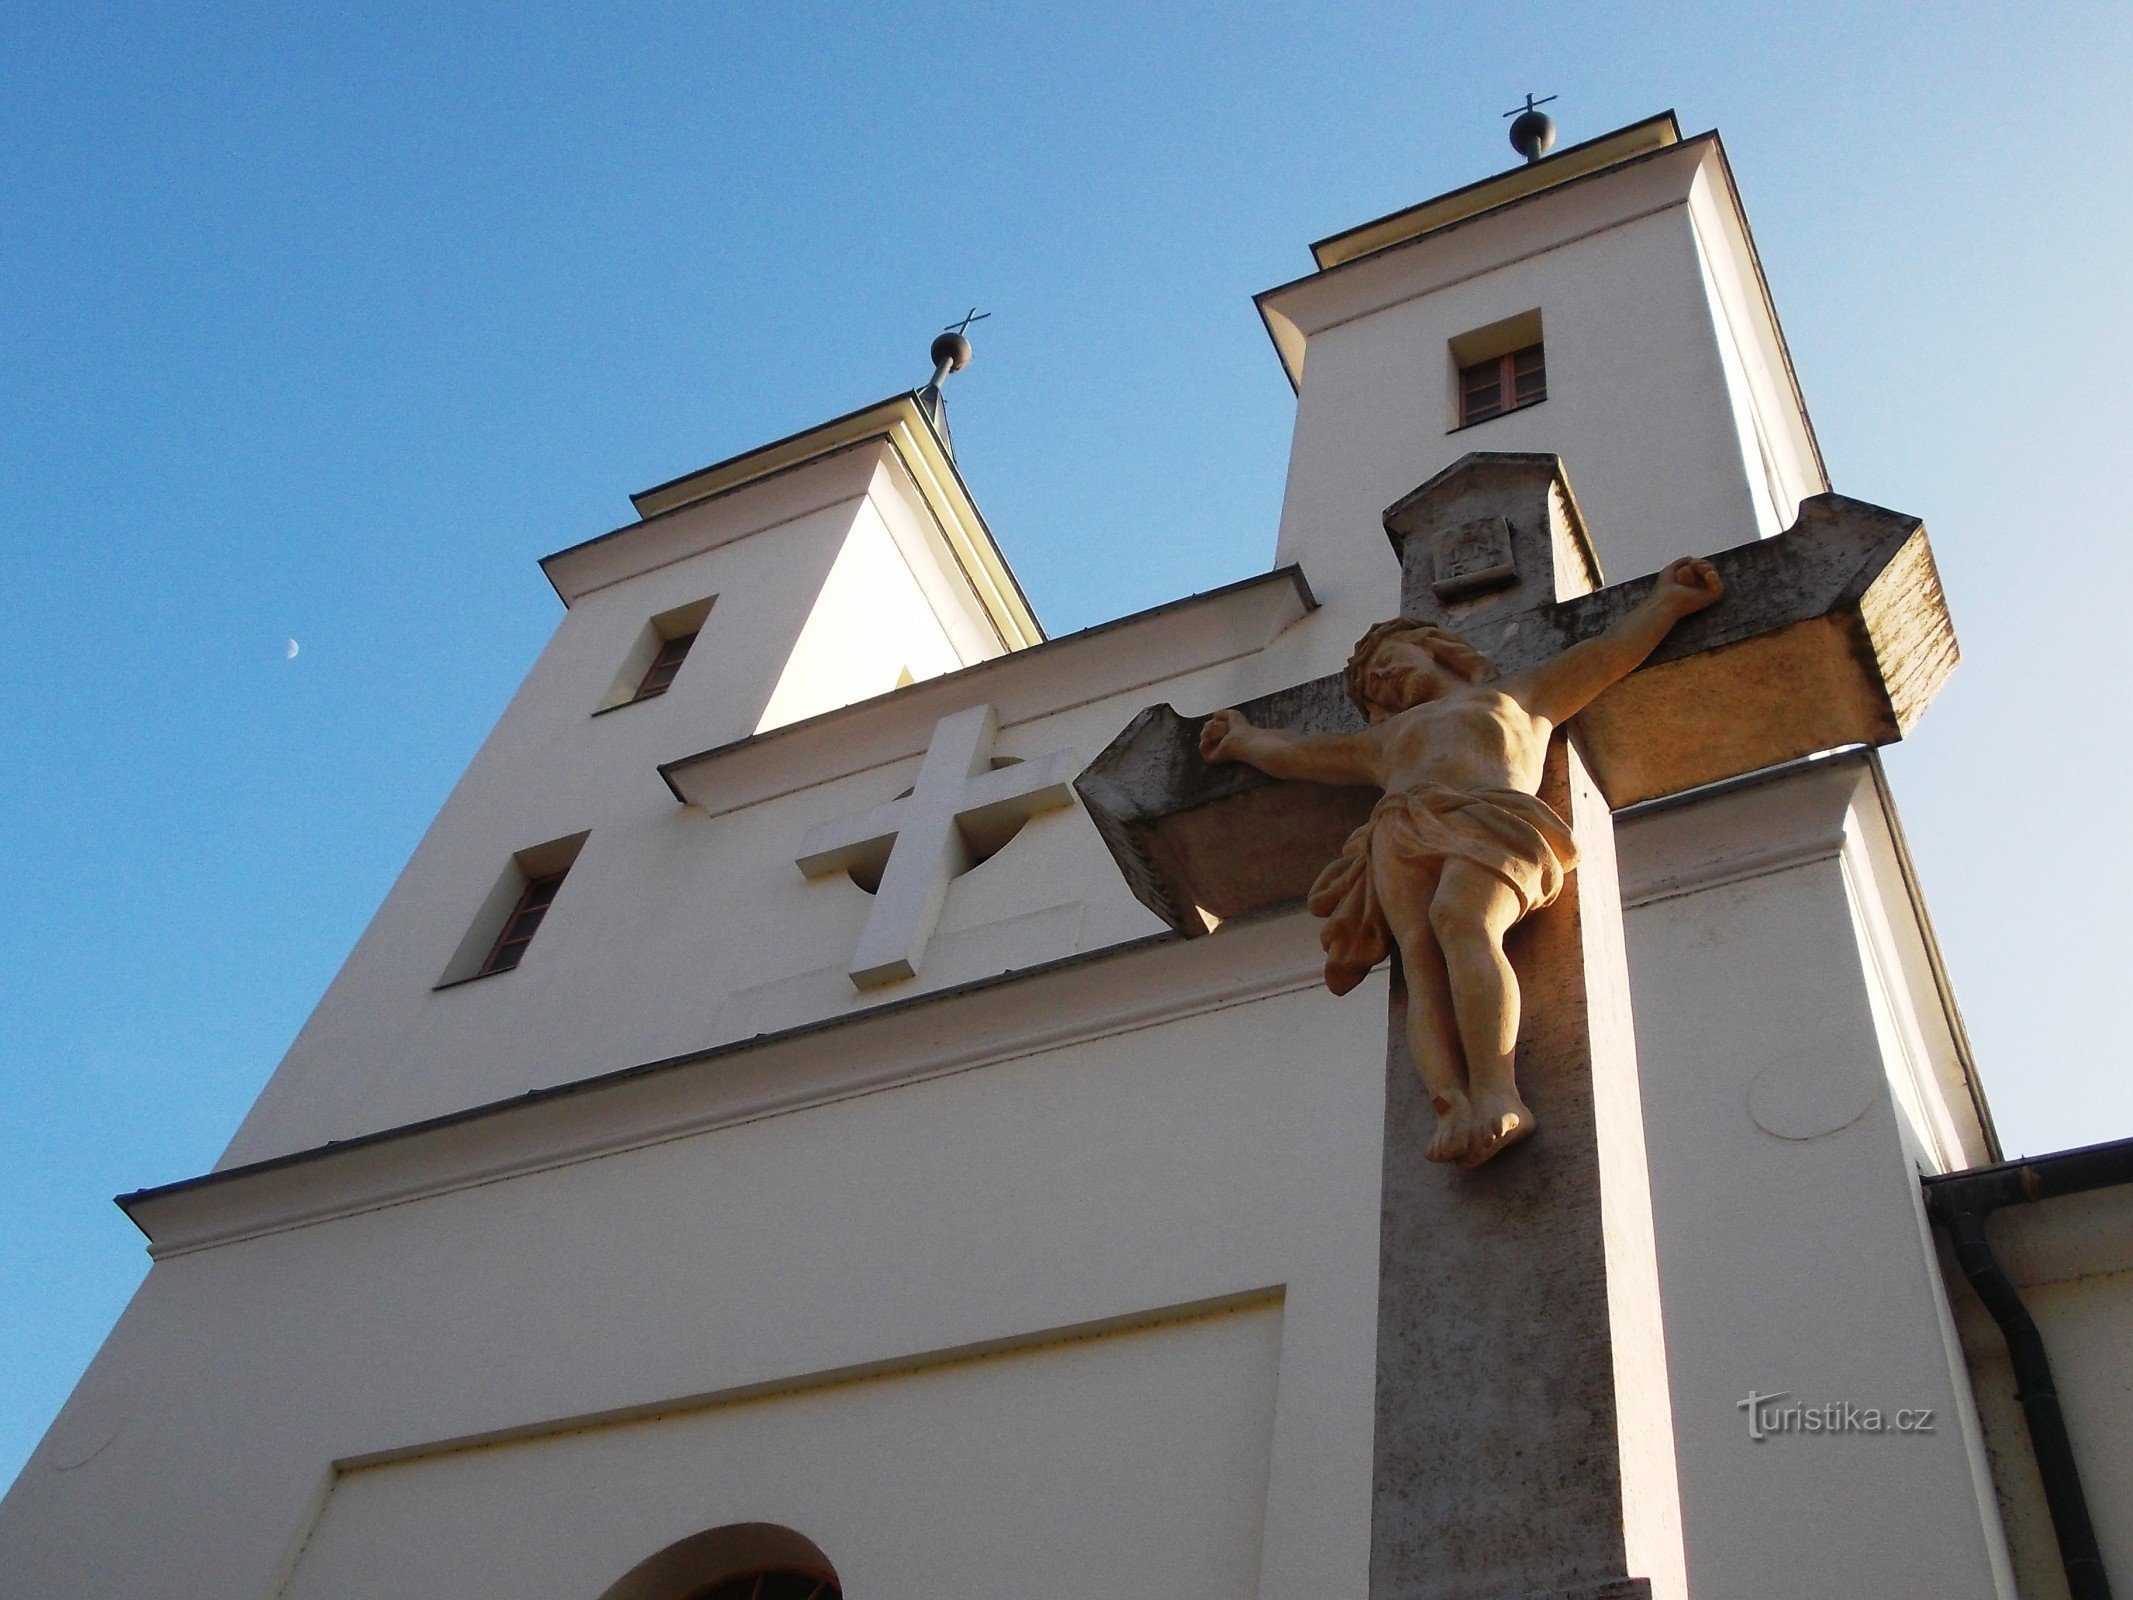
(1461, 847)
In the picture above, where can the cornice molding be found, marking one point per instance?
(1265, 1297)
(1529, 226)
(1716, 874)
(900, 425)
(1498, 189)
(1113, 658)
(1095, 995)
(1801, 815)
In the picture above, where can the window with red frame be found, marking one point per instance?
(1502, 383)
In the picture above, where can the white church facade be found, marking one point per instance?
(769, 1143)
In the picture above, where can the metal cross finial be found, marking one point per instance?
(951, 353)
(1533, 134)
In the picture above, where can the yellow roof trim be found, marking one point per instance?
(1639, 138)
(932, 472)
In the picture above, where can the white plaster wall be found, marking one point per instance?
(676, 931)
(871, 627)
(2084, 1322)
(1231, 1153)
(666, 914)
(1638, 407)
(1777, 460)
(955, 603)
(550, 768)
(1121, 1464)
(1793, 1251)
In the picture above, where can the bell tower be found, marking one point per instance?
(1604, 305)
(814, 572)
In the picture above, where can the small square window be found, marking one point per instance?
(1498, 368)
(1502, 383)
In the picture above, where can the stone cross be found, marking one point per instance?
(962, 808)
(1524, 1441)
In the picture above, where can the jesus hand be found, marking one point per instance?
(1688, 585)
(1225, 737)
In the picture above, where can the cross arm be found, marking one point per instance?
(1836, 632)
(1000, 801)
(1833, 633)
(1561, 687)
(862, 841)
(1225, 839)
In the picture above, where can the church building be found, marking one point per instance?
(845, 1099)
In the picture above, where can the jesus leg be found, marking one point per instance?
(1471, 912)
(1405, 892)
(1433, 1040)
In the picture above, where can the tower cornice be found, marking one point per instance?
(1485, 194)
(900, 424)
(1602, 184)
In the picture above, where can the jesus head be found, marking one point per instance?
(1399, 664)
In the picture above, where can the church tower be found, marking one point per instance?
(1621, 273)
(762, 592)
(843, 1099)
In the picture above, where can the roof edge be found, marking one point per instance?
(1500, 188)
(1289, 340)
(1291, 574)
(902, 422)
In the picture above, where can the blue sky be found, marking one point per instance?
(324, 323)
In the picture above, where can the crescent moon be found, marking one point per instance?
(290, 653)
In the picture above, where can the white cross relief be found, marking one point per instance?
(960, 811)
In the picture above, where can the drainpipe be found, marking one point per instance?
(1960, 1202)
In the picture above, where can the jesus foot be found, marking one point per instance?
(1455, 1130)
(1497, 1124)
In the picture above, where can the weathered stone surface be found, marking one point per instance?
(1173, 821)
(1833, 633)
(1499, 1461)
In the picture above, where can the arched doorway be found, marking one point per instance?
(743, 1561)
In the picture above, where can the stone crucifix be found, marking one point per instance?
(959, 811)
(1833, 633)
(1523, 1440)
(1461, 848)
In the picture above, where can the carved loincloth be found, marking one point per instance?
(1517, 836)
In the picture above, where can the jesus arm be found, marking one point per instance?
(1343, 758)
(1558, 690)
